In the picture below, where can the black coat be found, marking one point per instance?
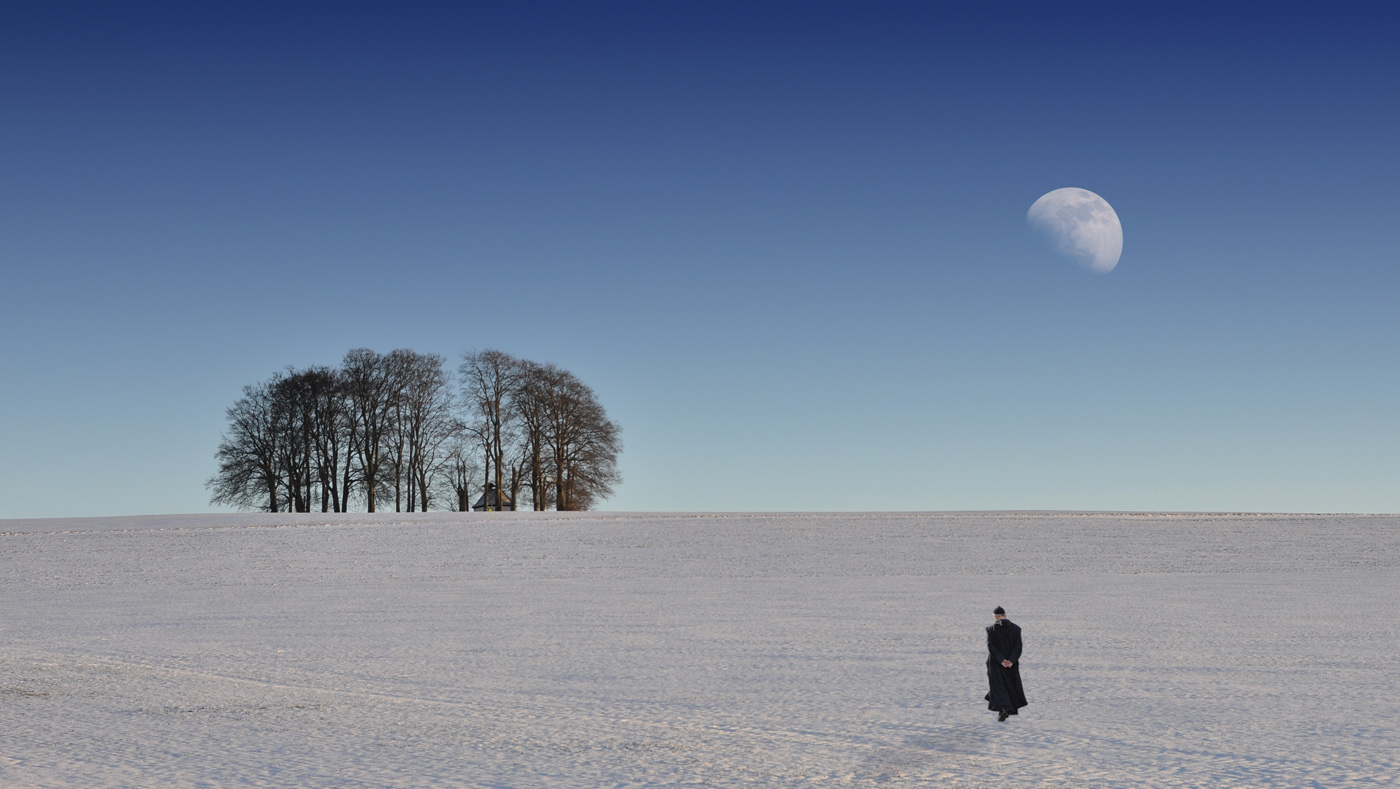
(1004, 643)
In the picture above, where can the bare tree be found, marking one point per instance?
(370, 400)
(422, 423)
(347, 470)
(396, 371)
(330, 434)
(294, 410)
(531, 403)
(461, 469)
(488, 380)
(312, 417)
(583, 443)
(248, 475)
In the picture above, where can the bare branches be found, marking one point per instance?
(571, 445)
(583, 441)
(386, 422)
(489, 379)
(370, 401)
(422, 423)
(248, 475)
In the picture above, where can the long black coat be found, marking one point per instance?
(1004, 643)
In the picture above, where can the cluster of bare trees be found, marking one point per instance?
(348, 436)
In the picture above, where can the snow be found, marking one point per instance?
(601, 649)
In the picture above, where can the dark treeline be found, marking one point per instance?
(400, 425)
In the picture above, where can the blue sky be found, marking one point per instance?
(785, 242)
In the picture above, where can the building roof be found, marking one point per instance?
(498, 501)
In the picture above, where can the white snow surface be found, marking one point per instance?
(599, 649)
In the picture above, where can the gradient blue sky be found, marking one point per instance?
(785, 242)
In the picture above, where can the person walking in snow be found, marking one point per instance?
(1003, 666)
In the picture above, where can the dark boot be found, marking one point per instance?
(1002, 717)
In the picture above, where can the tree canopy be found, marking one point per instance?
(402, 424)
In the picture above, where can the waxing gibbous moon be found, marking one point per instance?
(1079, 225)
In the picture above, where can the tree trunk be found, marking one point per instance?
(486, 503)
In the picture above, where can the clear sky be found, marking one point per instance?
(785, 242)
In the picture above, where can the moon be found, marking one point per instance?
(1080, 225)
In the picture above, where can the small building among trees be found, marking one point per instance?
(493, 501)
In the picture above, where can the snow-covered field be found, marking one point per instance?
(720, 649)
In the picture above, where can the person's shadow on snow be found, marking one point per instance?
(951, 739)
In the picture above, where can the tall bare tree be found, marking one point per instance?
(531, 403)
(329, 434)
(422, 423)
(583, 443)
(396, 372)
(295, 418)
(248, 476)
(347, 469)
(461, 469)
(370, 398)
(489, 379)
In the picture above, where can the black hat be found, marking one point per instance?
(999, 611)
